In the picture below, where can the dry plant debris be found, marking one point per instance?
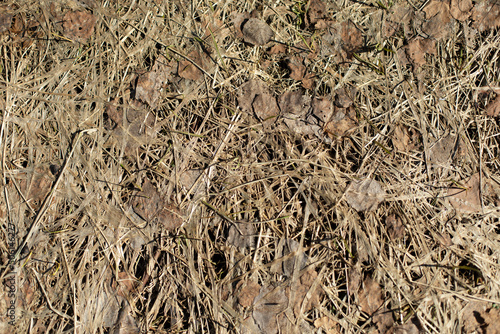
(418, 48)
(404, 139)
(466, 198)
(256, 32)
(493, 107)
(364, 195)
(149, 204)
(486, 15)
(254, 98)
(438, 20)
(149, 85)
(131, 124)
(242, 235)
(79, 25)
(212, 159)
(371, 302)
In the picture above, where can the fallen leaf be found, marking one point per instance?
(364, 195)
(395, 227)
(322, 108)
(404, 139)
(442, 151)
(329, 325)
(467, 200)
(284, 248)
(461, 9)
(268, 307)
(254, 98)
(277, 49)
(246, 292)
(486, 15)
(400, 15)
(237, 20)
(408, 328)
(344, 97)
(149, 85)
(79, 25)
(371, 302)
(148, 204)
(493, 107)
(303, 299)
(242, 235)
(5, 19)
(38, 186)
(297, 69)
(342, 41)
(256, 32)
(131, 124)
(418, 48)
(187, 68)
(437, 22)
(316, 12)
(294, 104)
(341, 122)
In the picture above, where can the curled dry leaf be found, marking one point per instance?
(256, 32)
(79, 25)
(150, 205)
(486, 15)
(299, 72)
(418, 48)
(322, 108)
(255, 98)
(294, 104)
(277, 49)
(149, 84)
(437, 22)
(242, 235)
(364, 195)
(468, 198)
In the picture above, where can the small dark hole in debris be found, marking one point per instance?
(54, 169)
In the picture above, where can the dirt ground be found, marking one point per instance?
(250, 167)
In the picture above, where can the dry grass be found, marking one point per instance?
(92, 264)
